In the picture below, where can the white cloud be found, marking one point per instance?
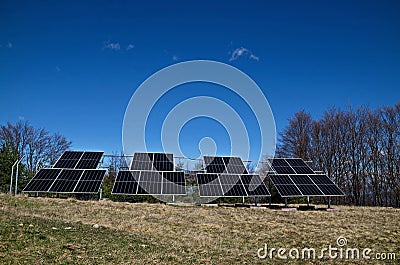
(130, 47)
(175, 58)
(115, 46)
(238, 52)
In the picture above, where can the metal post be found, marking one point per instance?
(12, 175)
(101, 194)
(16, 176)
(37, 165)
(270, 201)
(173, 198)
(243, 200)
(255, 201)
(329, 202)
(286, 203)
(308, 201)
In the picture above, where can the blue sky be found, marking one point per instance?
(72, 67)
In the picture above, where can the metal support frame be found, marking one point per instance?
(101, 194)
(37, 165)
(286, 205)
(329, 202)
(12, 175)
(16, 176)
(308, 201)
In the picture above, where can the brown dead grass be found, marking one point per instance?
(218, 235)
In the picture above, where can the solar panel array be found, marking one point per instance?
(293, 177)
(224, 164)
(227, 177)
(74, 172)
(305, 185)
(151, 173)
(56, 180)
(140, 182)
(79, 160)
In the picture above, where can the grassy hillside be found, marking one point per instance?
(48, 231)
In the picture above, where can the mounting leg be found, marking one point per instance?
(308, 201)
(286, 203)
(255, 201)
(329, 202)
(101, 194)
(243, 200)
(270, 201)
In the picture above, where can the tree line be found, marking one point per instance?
(359, 149)
(35, 146)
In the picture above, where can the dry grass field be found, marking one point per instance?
(61, 231)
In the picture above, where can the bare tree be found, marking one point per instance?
(358, 149)
(295, 138)
(36, 144)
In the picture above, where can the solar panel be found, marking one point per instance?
(69, 159)
(299, 166)
(326, 185)
(126, 182)
(42, 181)
(214, 164)
(285, 186)
(151, 182)
(89, 160)
(209, 185)
(173, 183)
(66, 181)
(153, 162)
(254, 185)
(224, 164)
(79, 160)
(137, 182)
(305, 185)
(56, 180)
(90, 181)
(290, 166)
(231, 185)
